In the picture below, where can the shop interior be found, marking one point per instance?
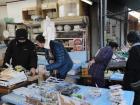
(82, 28)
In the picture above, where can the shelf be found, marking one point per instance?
(75, 39)
(71, 31)
(70, 20)
(31, 25)
(68, 38)
(50, 9)
(15, 23)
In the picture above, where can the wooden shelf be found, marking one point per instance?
(51, 13)
(73, 40)
(71, 31)
(27, 13)
(50, 9)
(33, 25)
(71, 20)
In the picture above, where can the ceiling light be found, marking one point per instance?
(87, 1)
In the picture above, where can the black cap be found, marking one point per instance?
(133, 37)
(21, 34)
(40, 38)
(113, 44)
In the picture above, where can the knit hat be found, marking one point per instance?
(21, 34)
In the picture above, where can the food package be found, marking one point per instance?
(95, 92)
(64, 100)
(113, 87)
(116, 95)
(10, 77)
(8, 71)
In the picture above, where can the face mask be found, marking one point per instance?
(21, 42)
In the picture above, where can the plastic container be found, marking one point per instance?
(85, 69)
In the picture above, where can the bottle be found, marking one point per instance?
(41, 69)
(84, 69)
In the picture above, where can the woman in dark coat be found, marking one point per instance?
(100, 62)
(132, 73)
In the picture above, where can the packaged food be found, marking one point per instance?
(115, 87)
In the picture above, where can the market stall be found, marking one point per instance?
(84, 95)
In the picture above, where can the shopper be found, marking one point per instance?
(99, 63)
(62, 62)
(132, 73)
(40, 45)
(21, 51)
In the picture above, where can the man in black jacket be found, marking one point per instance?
(132, 73)
(21, 51)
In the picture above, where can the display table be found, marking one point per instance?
(6, 90)
(84, 90)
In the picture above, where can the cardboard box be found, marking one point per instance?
(71, 8)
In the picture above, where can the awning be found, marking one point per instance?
(133, 4)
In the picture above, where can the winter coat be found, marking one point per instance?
(62, 60)
(101, 61)
(23, 54)
(132, 73)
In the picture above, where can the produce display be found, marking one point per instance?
(51, 92)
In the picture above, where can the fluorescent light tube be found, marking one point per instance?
(87, 1)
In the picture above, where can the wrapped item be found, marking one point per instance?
(95, 92)
(115, 103)
(8, 71)
(10, 77)
(116, 95)
(68, 91)
(31, 101)
(64, 100)
(113, 87)
(76, 28)
(23, 91)
(116, 92)
(52, 98)
(54, 80)
(117, 99)
(79, 96)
